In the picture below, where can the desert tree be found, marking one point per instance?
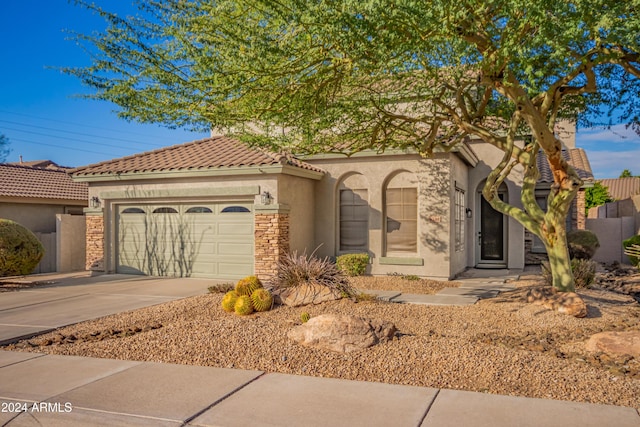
(311, 76)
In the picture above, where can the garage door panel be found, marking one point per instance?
(195, 240)
(235, 249)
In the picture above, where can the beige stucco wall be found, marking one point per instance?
(433, 179)
(459, 178)
(70, 243)
(297, 193)
(37, 217)
(490, 157)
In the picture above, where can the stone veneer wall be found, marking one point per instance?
(95, 242)
(271, 242)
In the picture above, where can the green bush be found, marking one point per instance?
(353, 264)
(582, 244)
(584, 272)
(20, 250)
(635, 240)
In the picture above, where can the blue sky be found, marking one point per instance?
(43, 118)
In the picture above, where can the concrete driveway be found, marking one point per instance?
(73, 298)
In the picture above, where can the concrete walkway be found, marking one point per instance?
(48, 390)
(65, 299)
(474, 285)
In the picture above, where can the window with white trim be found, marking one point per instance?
(401, 211)
(354, 220)
(459, 219)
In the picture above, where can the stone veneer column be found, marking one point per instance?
(94, 259)
(271, 238)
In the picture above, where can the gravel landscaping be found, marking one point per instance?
(501, 345)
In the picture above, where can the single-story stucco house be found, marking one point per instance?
(39, 195)
(217, 208)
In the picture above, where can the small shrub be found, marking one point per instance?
(584, 272)
(304, 317)
(582, 244)
(411, 277)
(221, 288)
(626, 244)
(294, 270)
(363, 297)
(633, 252)
(20, 250)
(353, 264)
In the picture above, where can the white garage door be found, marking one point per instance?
(186, 240)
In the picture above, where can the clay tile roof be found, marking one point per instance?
(622, 188)
(210, 153)
(41, 183)
(576, 157)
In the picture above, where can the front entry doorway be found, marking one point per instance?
(491, 251)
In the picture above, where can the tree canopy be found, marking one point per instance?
(597, 195)
(312, 76)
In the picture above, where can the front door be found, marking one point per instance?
(492, 241)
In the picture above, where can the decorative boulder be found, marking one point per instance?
(340, 333)
(617, 343)
(564, 302)
(305, 294)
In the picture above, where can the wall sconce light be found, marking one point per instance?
(469, 212)
(95, 202)
(266, 198)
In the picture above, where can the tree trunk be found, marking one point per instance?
(559, 260)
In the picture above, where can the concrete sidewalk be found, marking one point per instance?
(47, 390)
(65, 299)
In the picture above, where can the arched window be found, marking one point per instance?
(401, 214)
(353, 199)
(133, 211)
(165, 210)
(199, 209)
(235, 209)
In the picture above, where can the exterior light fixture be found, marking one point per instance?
(266, 198)
(469, 212)
(95, 202)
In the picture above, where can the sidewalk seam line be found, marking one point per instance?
(42, 302)
(223, 398)
(428, 408)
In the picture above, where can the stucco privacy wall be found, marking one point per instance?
(37, 217)
(432, 177)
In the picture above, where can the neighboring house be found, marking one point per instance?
(217, 208)
(622, 188)
(616, 221)
(35, 197)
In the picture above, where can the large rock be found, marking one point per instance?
(564, 302)
(305, 294)
(341, 333)
(616, 343)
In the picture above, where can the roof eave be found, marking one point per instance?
(195, 173)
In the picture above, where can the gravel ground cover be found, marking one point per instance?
(500, 345)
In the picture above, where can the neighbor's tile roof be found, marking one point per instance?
(622, 188)
(210, 153)
(40, 183)
(576, 157)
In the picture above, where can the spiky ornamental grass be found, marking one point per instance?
(295, 270)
